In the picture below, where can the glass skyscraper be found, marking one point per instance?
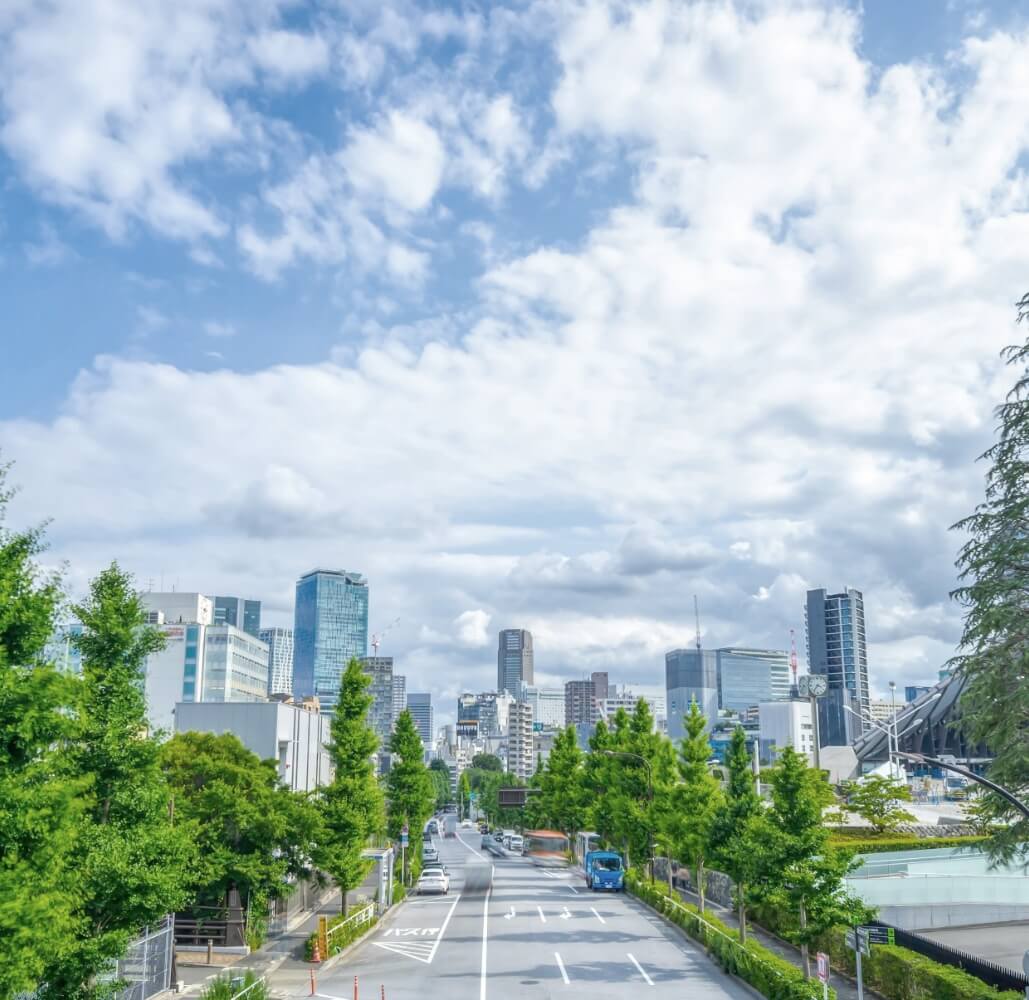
(280, 659)
(514, 660)
(330, 626)
(245, 615)
(419, 704)
(836, 649)
(749, 677)
(690, 675)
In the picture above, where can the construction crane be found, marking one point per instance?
(793, 656)
(377, 637)
(696, 614)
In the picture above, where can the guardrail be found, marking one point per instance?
(362, 916)
(242, 993)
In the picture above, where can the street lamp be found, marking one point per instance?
(890, 731)
(650, 795)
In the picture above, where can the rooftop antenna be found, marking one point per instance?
(379, 636)
(793, 656)
(696, 614)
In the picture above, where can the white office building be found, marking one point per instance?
(399, 696)
(520, 759)
(295, 736)
(548, 706)
(785, 723)
(175, 608)
(280, 659)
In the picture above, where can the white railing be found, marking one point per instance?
(244, 992)
(362, 916)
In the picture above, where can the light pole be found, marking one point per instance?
(893, 723)
(884, 729)
(650, 796)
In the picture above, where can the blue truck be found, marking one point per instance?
(604, 870)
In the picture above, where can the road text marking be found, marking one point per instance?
(508, 916)
(597, 915)
(565, 915)
(561, 966)
(540, 911)
(650, 982)
(420, 951)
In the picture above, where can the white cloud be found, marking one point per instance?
(49, 250)
(472, 628)
(219, 328)
(290, 56)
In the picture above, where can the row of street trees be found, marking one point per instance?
(106, 826)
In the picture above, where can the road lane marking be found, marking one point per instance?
(540, 910)
(565, 915)
(561, 966)
(482, 975)
(420, 951)
(576, 891)
(548, 874)
(597, 915)
(508, 916)
(470, 848)
(650, 982)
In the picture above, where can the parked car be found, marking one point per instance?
(429, 854)
(436, 866)
(432, 883)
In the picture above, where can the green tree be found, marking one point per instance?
(877, 799)
(440, 774)
(993, 566)
(410, 792)
(696, 800)
(562, 799)
(809, 872)
(352, 807)
(487, 762)
(740, 834)
(134, 863)
(40, 807)
(254, 833)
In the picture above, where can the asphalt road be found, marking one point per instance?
(533, 934)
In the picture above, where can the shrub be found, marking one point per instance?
(228, 986)
(865, 843)
(771, 975)
(342, 938)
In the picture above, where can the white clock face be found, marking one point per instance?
(817, 685)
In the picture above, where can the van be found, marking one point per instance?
(514, 844)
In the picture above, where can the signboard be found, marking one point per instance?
(823, 967)
(862, 941)
(472, 796)
(537, 727)
(880, 935)
(851, 938)
(511, 798)
(403, 835)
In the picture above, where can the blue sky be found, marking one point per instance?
(574, 309)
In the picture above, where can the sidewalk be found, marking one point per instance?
(846, 988)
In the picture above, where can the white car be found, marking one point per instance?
(433, 882)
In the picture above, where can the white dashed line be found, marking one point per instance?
(539, 909)
(650, 982)
(597, 915)
(561, 966)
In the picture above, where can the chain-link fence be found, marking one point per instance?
(146, 967)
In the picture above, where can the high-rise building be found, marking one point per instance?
(580, 704)
(520, 760)
(61, 651)
(880, 710)
(786, 723)
(280, 659)
(178, 608)
(244, 614)
(380, 715)
(690, 675)
(399, 695)
(483, 715)
(514, 659)
(600, 684)
(548, 706)
(420, 706)
(749, 677)
(913, 692)
(835, 630)
(330, 626)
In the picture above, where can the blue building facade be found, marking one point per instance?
(330, 626)
(749, 677)
(244, 614)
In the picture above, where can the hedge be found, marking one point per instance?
(771, 975)
(339, 941)
(901, 974)
(865, 844)
(228, 986)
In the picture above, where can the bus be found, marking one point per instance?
(547, 848)
(584, 843)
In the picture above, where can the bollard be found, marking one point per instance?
(210, 951)
(314, 983)
(382, 992)
(355, 987)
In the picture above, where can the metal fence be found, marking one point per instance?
(146, 966)
(989, 972)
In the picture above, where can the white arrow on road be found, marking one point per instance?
(566, 914)
(508, 916)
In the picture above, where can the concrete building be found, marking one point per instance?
(786, 723)
(483, 715)
(295, 736)
(881, 710)
(615, 699)
(203, 663)
(399, 695)
(835, 634)
(600, 684)
(280, 659)
(748, 677)
(178, 608)
(548, 706)
(380, 715)
(520, 758)
(690, 675)
(60, 649)
(514, 659)
(420, 706)
(330, 627)
(580, 704)
(244, 614)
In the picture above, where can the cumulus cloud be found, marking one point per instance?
(767, 367)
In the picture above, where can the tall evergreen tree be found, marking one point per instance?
(994, 572)
(409, 789)
(135, 864)
(352, 806)
(562, 799)
(740, 835)
(696, 800)
(40, 807)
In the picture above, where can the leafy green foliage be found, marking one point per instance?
(871, 845)
(354, 928)
(40, 806)
(134, 863)
(352, 807)
(994, 570)
(562, 802)
(252, 831)
(226, 987)
(410, 792)
(877, 799)
(487, 762)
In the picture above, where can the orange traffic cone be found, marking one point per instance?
(317, 956)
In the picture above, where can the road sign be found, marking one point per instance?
(403, 835)
(862, 940)
(472, 796)
(851, 938)
(823, 967)
(880, 935)
(511, 797)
